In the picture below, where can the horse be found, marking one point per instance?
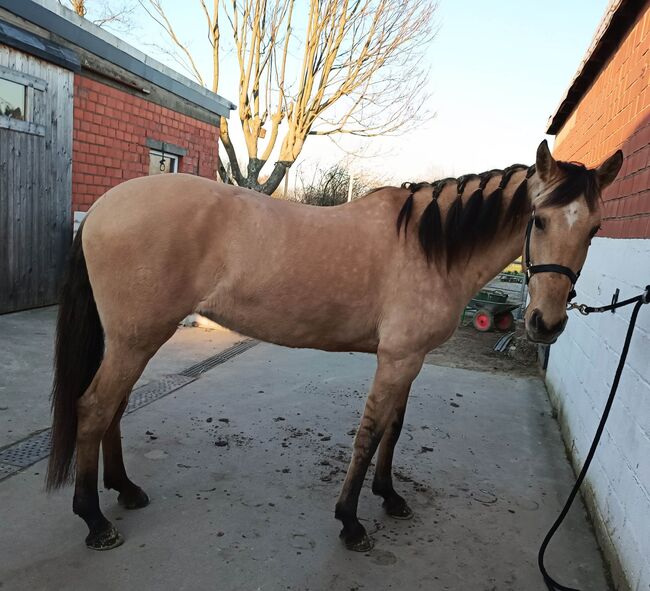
(389, 273)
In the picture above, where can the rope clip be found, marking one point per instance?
(582, 308)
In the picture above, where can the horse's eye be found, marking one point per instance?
(539, 223)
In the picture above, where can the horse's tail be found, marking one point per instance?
(79, 351)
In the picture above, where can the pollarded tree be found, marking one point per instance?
(324, 67)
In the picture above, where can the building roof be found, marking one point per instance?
(35, 45)
(616, 22)
(67, 25)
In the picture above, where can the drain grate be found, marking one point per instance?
(7, 470)
(196, 370)
(28, 451)
(34, 448)
(154, 390)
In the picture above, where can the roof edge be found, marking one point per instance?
(614, 25)
(65, 23)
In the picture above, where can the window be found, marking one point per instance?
(12, 99)
(160, 163)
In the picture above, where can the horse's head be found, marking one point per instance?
(566, 216)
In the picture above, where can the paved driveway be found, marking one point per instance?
(26, 356)
(244, 465)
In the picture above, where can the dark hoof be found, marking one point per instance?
(133, 499)
(399, 510)
(357, 542)
(365, 544)
(105, 540)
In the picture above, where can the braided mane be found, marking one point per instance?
(472, 221)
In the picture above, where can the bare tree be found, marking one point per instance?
(359, 72)
(103, 13)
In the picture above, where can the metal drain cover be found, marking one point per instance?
(154, 390)
(28, 451)
(6, 470)
(196, 370)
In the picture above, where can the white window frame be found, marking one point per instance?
(170, 157)
(32, 85)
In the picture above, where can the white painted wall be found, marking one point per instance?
(580, 373)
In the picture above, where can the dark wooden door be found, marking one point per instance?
(35, 180)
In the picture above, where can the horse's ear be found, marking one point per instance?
(608, 170)
(545, 163)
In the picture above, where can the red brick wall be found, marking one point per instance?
(615, 113)
(110, 131)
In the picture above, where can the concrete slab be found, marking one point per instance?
(26, 354)
(245, 464)
(26, 357)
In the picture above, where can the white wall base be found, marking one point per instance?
(579, 376)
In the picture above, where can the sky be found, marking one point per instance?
(498, 70)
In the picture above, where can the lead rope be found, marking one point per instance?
(641, 299)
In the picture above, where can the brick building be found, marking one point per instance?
(118, 135)
(607, 107)
(81, 111)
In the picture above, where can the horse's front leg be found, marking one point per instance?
(382, 485)
(385, 402)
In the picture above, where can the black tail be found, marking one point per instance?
(78, 354)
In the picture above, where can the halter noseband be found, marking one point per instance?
(550, 268)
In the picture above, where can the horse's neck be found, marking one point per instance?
(485, 263)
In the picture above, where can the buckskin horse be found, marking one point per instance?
(389, 274)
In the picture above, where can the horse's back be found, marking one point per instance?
(172, 244)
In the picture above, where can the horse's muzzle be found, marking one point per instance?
(539, 332)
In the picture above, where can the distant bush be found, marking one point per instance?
(330, 187)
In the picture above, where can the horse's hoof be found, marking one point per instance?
(399, 511)
(105, 540)
(357, 542)
(133, 499)
(365, 544)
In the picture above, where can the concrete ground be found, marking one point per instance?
(26, 356)
(244, 465)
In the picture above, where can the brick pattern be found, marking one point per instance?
(110, 131)
(613, 114)
(580, 373)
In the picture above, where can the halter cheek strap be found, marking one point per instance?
(550, 268)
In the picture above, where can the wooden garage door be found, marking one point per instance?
(35, 179)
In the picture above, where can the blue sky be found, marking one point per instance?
(498, 71)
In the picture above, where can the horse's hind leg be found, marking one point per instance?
(382, 484)
(131, 496)
(387, 395)
(97, 408)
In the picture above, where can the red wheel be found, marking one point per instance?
(504, 321)
(482, 321)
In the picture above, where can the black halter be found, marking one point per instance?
(551, 268)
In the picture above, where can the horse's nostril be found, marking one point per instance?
(535, 319)
(558, 327)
